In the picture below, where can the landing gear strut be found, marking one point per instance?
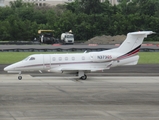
(81, 75)
(19, 77)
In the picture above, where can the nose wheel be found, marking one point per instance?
(19, 77)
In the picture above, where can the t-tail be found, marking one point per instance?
(129, 49)
(133, 42)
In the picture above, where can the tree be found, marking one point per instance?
(86, 6)
(86, 18)
(74, 7)
(20, 3)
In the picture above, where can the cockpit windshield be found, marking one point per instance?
(32, 58)
(26, 59)
(29, 58)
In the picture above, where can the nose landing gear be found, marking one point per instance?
(19, 77)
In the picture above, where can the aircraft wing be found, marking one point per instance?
(93, 69)
(75, 70)
(81, 68)
(84, 69)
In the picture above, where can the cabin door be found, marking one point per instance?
(91, 57)
(47, 61)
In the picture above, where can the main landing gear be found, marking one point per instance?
(19, 77)
(81, 75)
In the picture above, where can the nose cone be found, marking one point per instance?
(8, 68)
(13, 67)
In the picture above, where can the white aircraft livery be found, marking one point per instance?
(82, 63)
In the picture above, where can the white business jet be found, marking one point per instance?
(82, 63)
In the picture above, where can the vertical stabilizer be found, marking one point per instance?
(133, 41)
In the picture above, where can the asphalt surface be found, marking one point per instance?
(115, 94)
(65, 98)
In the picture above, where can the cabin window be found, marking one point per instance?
(53, 58)
(60, 58)
(73, 58)
(66, 58)
(83, 58)
(32, 58)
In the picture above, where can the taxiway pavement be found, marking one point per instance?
(66, 98)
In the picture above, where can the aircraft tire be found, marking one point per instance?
(84, 77)
(19, 77)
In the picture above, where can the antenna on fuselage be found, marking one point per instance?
(85, 51)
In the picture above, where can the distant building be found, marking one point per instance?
(52, 2)
(41, 2)
(2, 3)
(114, 2)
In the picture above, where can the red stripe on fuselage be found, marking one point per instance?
(129, 54)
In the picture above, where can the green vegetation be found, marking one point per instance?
(149, 58)
(11, 57)
(86, 18)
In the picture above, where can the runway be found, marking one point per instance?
(67, 98)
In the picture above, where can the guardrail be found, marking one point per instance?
(65, 48)
(20, 43)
